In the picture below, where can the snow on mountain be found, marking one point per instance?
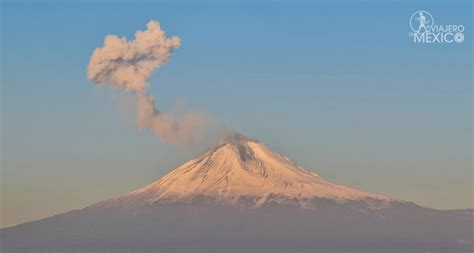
(240, 168)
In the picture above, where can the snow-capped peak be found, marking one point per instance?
(239, 167)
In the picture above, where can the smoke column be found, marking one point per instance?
(129, 65)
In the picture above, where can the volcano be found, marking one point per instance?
(242, 171)
(240, 196)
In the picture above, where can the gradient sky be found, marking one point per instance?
(338, 87)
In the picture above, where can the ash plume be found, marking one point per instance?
(129, 64)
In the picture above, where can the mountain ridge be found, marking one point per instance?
(241, 167)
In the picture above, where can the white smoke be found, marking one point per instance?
(129, 65)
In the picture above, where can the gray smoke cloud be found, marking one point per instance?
(129, 64)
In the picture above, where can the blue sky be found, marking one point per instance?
(339, 87)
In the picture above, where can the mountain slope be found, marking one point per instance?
(240, 196)
(240, 168)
